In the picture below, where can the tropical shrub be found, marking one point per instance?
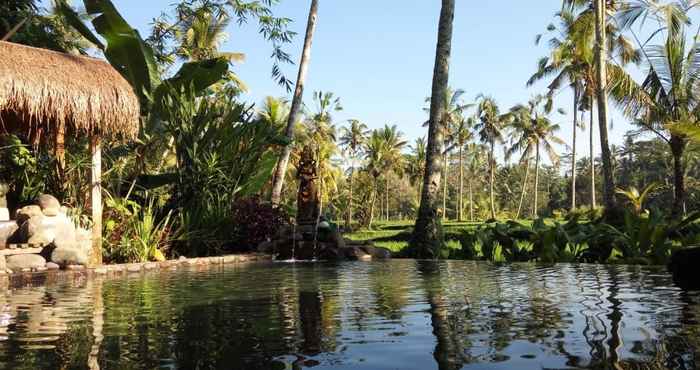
(254, 222)
(135, 233)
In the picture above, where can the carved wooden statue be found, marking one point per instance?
(308, 204)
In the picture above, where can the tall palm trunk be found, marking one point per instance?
(386, 188)
(295, 110)
(492, 165)
(592, 153)
(444, 188)
(471, 201)
(537, 180)
(573, 150)
(348, 223)
(602, 97)
(372, 201)
(427, 237)
(522, 192)
(677, 148)
(460, 215)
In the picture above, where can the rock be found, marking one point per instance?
(69, 257)
(100, 270)
(4, 214)
(52, 266)
(7, 231)
(266, 247)
(65, 233)
(684, 267)
(355, 253)
(182, 258)
(377, 253)
(50, 206)
(25, 213)
(25, 261)
(3, 264)
(133, 268)
(75, 267)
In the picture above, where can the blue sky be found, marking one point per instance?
(377, 56)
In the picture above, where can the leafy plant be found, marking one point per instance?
(254, 222)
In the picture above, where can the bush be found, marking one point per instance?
(254, 222)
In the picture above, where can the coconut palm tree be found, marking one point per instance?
(295, 111)
(453, 114)
(352, 138)
(427, 239)
(533, 131)
(460, 136)
(476, 153)
(489, 126)
(668, 96)
(374, 165)
(393, 144)
(274, 112)
(571, 63)
(415, 164)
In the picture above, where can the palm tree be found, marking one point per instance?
(490, 127)
(274, 112)
(427, 239)
(476, 154)
(572, 63)
(352, 138)
(459, 137)
(415, 164)
(534, 130)
(374, 158)
(668, 96)
(281, 170)
(392, 145)
(453, 114)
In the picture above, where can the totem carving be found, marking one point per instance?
(308, 204)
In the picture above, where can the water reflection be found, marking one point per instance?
(401, 314)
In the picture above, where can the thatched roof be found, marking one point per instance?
(42, 91)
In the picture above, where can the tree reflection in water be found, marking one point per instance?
(400, 314)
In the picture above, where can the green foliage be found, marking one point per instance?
(644, 238)
(135, 233)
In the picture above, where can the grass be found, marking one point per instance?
(394, 235)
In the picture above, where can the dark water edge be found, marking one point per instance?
(382, 315)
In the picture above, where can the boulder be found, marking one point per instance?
(64, 231)
(69, 256)
(7, 230)
(25, 213)
(50, 206)
(4, 214)
(20, 262)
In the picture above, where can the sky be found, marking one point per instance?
(378, 56)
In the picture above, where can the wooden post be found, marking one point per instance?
(96, 198)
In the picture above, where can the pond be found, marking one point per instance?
(384, 315)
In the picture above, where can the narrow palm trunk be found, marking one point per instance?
(677, 148)
(460, 215)
(471, 201)
(349, 219)
(295, 110)
(427, 237)
(522, 192)
(373, 199)
(492, 162)
(592, 152)
(444, 189)
(573, 150)
(602, 98)
(386, 188)
(537, 180)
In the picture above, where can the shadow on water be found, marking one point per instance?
(400, 314)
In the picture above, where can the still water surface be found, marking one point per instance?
(382, 315)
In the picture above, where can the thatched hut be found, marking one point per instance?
(46, 95)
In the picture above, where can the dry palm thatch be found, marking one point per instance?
(43, 93)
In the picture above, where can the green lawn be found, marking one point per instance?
(394, 235)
